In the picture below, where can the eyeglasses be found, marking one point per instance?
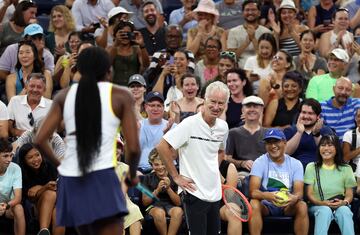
(230, 54)
(7, 155)
(31, 119)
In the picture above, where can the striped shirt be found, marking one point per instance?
(340, 119)
(289, 45)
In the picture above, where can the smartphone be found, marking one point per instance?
(357, 39)
(131, 36)
(326, 22)
(171, 60)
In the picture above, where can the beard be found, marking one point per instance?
(151, 20)
(309, 125)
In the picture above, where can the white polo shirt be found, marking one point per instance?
(19, 109)
(198, 146)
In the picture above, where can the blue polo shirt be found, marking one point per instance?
(306, 150)
(340, 119)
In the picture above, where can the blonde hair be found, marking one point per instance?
(68, 18)
(153, 155)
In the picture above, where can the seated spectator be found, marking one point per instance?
(245, 143)
(26, 110)
(128, 53)
(227, 61)
(282, 112)
(229, 177)
(169, 81)
(353, 69)
(206, 16)
(240, 88)
(187, 105)
(4, 117)
(154, 30)
(152, 128)
(70, 74)
(338, 37)
(8, 60)
(287, 30)
(259, 66)
(230, 13)
(11, 188)
(320, 87)
(243, 39)
(104, 35)
(271, 172)
(320, 15)
(163, 186)
(132, 221)
(135, 6)
(207, 67)
(61, 25)
(66, 62)
(11, 31)
(56, 142)
(184, 17)
(173, 39)
(137, 86)
(28, 62)
(308, 63)
(351, 144)
(303, 137)
(87, 14)
(270, 87)
(329, 188)
(339, 111)
(39, 187)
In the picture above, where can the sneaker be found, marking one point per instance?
(44, 231)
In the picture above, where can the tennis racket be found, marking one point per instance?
(146, 191)
(237, 203)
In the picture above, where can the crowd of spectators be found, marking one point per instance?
(293, 65)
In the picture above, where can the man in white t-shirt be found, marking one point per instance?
(199, 140)
(10, 188)
(26, 110)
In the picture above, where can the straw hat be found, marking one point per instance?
(287, 4)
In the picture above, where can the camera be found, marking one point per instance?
(131, 36)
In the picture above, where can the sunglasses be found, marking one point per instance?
(31, 119)
(342, 9)
(230, 54)
(276, 57)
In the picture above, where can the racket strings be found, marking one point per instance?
(236, 203)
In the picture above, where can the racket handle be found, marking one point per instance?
(146, 191)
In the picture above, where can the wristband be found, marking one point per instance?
(346, 202)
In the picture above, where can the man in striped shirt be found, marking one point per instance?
(339, 111)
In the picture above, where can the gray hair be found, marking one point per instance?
(217, 86)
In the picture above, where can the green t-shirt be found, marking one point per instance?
(321, 87)
(333, 181)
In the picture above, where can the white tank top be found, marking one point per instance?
(109, 128)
